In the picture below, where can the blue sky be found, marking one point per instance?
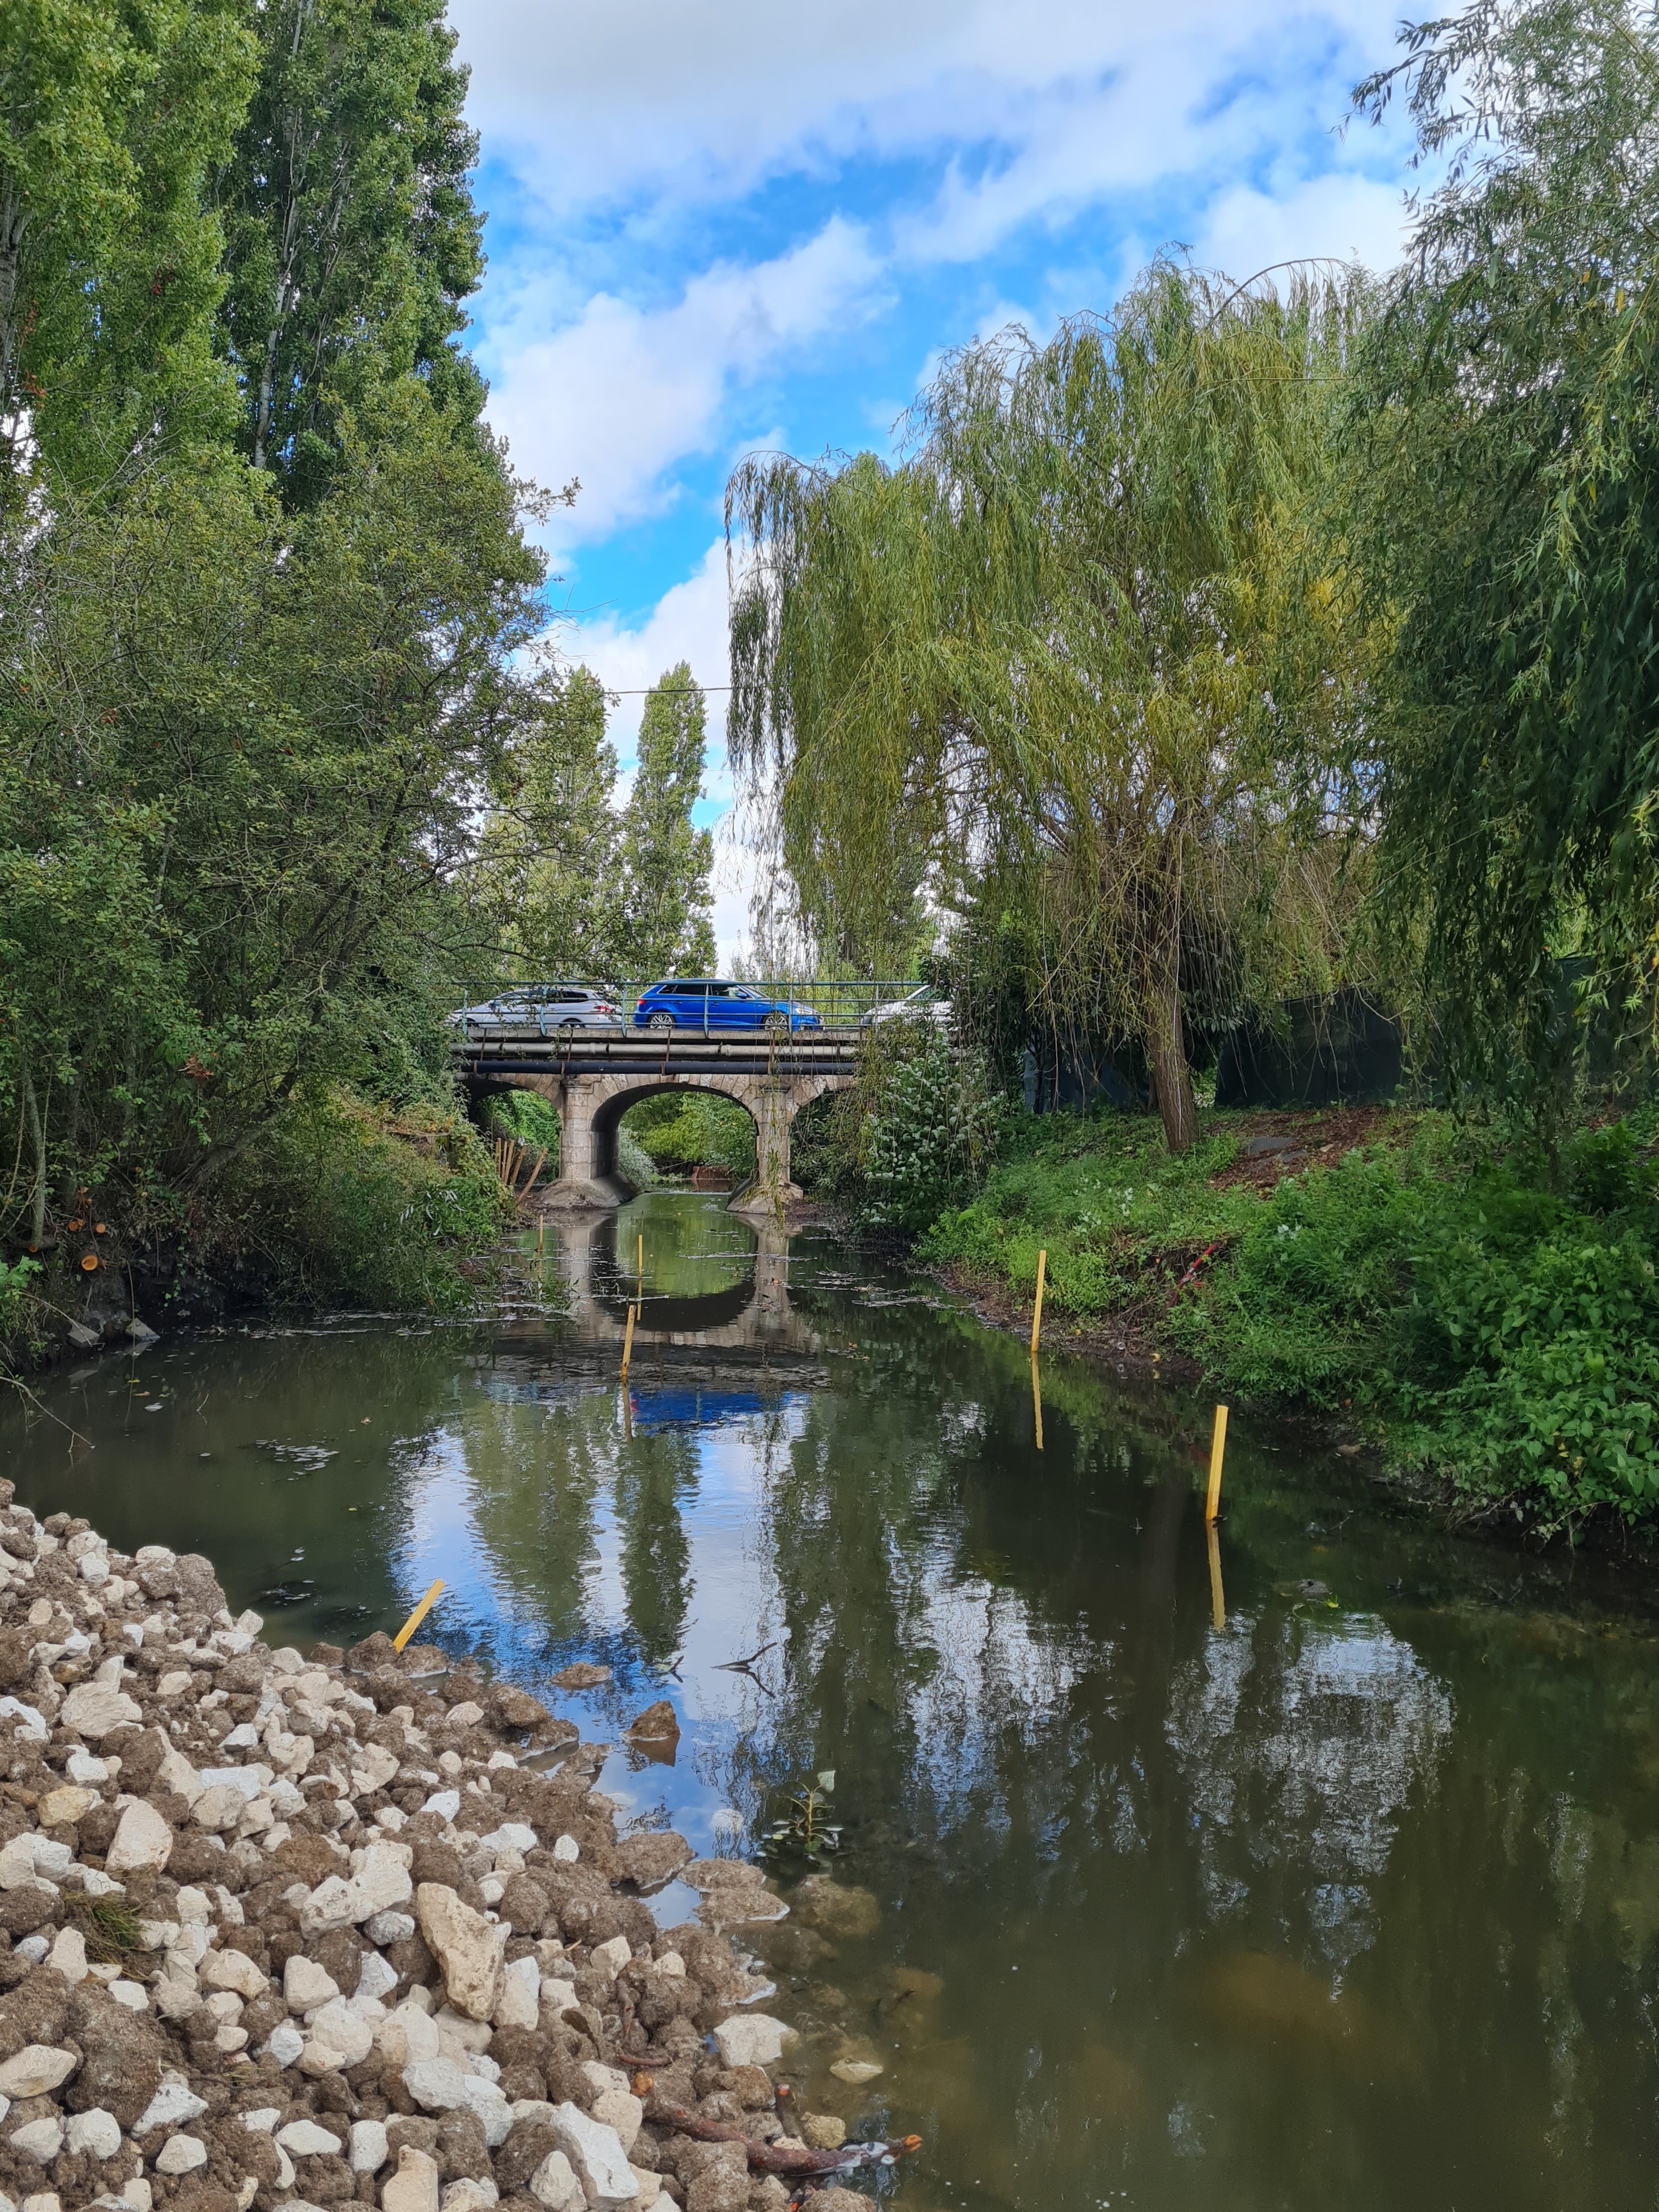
(713, 228)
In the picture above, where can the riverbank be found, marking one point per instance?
(1482, 1319)
(279, 1930)
(343, 1203)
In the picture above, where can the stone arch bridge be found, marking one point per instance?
(593, 1076)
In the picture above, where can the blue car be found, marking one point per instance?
(700, 1004)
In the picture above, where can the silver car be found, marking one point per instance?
(920, 1004)
(552, 1009)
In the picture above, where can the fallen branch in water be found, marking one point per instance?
(779, 2158)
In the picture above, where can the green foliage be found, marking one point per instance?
(236, 757)
(14, 1282)
(635, 1162)
(665, 860)
(565, 885)
(111, 120)
(533, 1119)
(351, 233)
(1500, 1334)
(1082, 637)
(1119, 1216)
(930, 1130)
(686, 1129)
(345, 1207)
(546, 879)
(1505, 475)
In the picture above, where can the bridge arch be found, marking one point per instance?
(591, 1108)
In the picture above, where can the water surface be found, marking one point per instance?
(1351, 1898)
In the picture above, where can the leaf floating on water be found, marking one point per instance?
(827, 1779)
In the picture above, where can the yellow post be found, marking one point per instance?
(1036, 1311)
(1218, 1449)
(639, 1270)
(628, 1341)
(541, 1227)
(417, 1616)
(1036, 1401)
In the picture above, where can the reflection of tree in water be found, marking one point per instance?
(537, 1479)
(1302, 1743)
(545, 1475)
(656, 1484)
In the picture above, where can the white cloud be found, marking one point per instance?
(633, 97)
(1347, 217)
(621, 394)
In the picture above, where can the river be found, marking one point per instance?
(1328, 1877)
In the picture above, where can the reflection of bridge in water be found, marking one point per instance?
(750, 1314)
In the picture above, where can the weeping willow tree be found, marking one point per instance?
(1504, 443)
(1076, 659)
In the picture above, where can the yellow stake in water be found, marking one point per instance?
(628, 1341)
(1036, 1311)
(417, 1616)
(1218, 1450)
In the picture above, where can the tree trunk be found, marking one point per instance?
(1172, 1081)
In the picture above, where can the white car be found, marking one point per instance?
(549, 1008)
(920, 1004)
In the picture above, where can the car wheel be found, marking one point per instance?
(661, 1022)
(567, 1030)
(776, 1024)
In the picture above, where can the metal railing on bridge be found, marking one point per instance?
(845, 1007)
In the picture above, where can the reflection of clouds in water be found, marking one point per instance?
(995, 1674)
(1302, 1743)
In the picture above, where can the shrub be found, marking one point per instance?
(348, 1205)
(931, 1131)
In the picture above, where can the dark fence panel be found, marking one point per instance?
(1344, 1050)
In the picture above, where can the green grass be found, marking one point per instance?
(1490, 1317)
(1120, 1217)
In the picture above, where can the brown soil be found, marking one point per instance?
(1283, 1141)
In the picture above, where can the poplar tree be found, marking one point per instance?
(665, 860)
(110, 122)
(351, 232)
(546, 882)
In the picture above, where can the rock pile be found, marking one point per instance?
(286, 1931)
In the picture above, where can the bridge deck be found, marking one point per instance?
(525, 1051)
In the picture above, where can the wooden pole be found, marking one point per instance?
(1036, 1401)
(541, 1230)
(627, 1342)
(417, 1616)
(1036, 1310)
(1218, 1451)
(639, 1272)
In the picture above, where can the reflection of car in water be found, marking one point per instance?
(548, 1006)
(702, 1004)
(918, 1005)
